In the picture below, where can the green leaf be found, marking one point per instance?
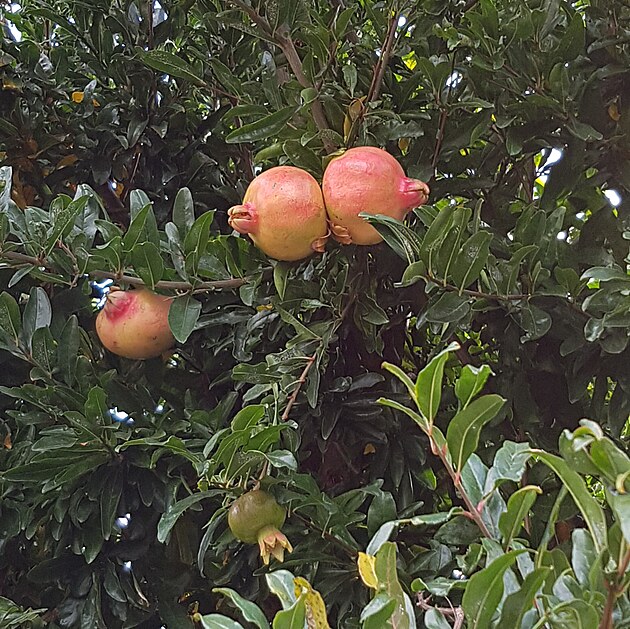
(535, 322)
(68, 350)
(518, 603)
(263, 128)
(463, 430)
(435, 619)
(428, 387)
(386, 573)
(173, 513)
(136, 228)
(280, 583)
(110, 500)
(518, 506)
(251, 612)
(378, 611)
(509, 462)
(402, 376)
(184, 211)
(37, 314)
(148, 263)
(10, 322)
(63, 221)
(471, 259)
(292, 618)
(419, 419)
(449, 308)
(217, 621)
(183, 316)
(196, 241)
(586, 503)
(484, 591)
(170, 64)
(470, 383)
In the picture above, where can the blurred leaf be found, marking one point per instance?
(263, 128)
(170, 64)
(182, 317)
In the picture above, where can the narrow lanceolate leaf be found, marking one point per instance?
(518, 506)
(184, 211)
(263, 128)
(173, 513)
(402, 376)
(148, 263)
(463, 430)
(68, 349)
(518, 603)
(37, 314)
(171, 64)
(485, 591)
(218, 621)
(419, 419)
(250, 611)
(291, 618)
(428, 387)
(10, 324)
(470, 383)
(575, 484)
(387, 576)
(471, 259)
(196, 241)
(182, 317)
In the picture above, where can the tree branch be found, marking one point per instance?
(283, 40)
(22, 258)
(378, 76)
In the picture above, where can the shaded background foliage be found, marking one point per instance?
(522, 259)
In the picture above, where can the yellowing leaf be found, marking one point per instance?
(315, 607)
(613, 112)
(366, 564)
(68, 160)
(77, 97)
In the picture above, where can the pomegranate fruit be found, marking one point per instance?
(283, 213)
(367, 179)
(257, 517)
(134, 323)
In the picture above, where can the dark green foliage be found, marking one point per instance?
(128, 129)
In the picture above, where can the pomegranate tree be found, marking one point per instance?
(367, 179)
(134, 323)
(283, 213)
(256, 517)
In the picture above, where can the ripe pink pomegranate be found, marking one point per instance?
(367, 179)
(134, 323)
(283, 213)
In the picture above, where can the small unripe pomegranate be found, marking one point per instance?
(283, 213)
(257, 517)
(134, 323)
(367, 179)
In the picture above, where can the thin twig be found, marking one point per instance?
(129, 279)
(439, 137)
(283, 40)
(293, 59)
(310, 361)
(377, 76)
